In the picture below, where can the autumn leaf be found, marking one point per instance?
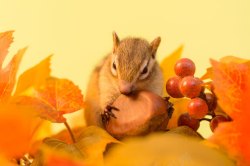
(231, 79)
(54, 99)
(56, 152)
(92, 142)
(65, 136)
(168, 63)
(18, 127)
(89, 148)
(167, 66)
(180, 107)
(165, 149)
(5, 40)
(8, 75)
(34, 77)
(5, 162)
(208, 74)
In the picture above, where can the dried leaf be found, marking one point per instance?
(167, 65)
(92, 142)
(54, 99)
(5, 40)
(56, 152)
(165, 149)
(208, 74)
(65, 136)
(34, 77)
(8, 75)
(18, 127)
(5, 162)
(231, 79)
(62, 146)
(180, 107)
(89, 148)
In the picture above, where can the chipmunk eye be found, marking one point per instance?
(114, 65)
(145, 70)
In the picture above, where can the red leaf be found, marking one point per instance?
(231, 79)
(55, 98)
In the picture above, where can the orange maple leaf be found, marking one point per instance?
(54, 99)
(18, 125)
(8, 73)
(18, 129)
(231, 79)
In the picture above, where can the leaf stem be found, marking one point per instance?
(70, 132)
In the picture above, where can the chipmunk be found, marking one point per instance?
(130, 67)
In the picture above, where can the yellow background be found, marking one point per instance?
(78, 32)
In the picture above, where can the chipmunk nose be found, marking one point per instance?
(125, 87)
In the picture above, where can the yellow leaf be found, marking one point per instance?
(93, 142)
(167, 65)
(56, 152)
(34, 76)
(180, 107)
(165, 149)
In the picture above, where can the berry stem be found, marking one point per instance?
(70, 132)
(206, 119)
(212, 114)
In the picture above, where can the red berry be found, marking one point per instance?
(190, 86)
(197, 108)
(186, 120)
(172, 87)
(216, 120)
(184, 67)
(211, 101)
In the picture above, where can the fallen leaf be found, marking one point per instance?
(167, 66)
(62, 146)
(58, 153)
(8, 75)
(18, 127)
(34, 77)
(168, 63)
(231, 79)
(89, 148)
(93, 142)
(54, 99)
(65, 136)
(208, 74)
(180, 107)
(6, 39)
(165, 149)
(5, 162)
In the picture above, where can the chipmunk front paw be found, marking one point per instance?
(170, 108)
(107, 114)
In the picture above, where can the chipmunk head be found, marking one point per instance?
(132, 61)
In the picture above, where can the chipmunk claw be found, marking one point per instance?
(107, 114)
(170, 108)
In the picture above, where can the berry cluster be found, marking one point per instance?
(201, 103)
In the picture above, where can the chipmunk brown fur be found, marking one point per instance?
(130, 67)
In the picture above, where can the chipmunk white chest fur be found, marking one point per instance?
(130, 67)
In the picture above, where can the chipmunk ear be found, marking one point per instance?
(154, 45)
(116, 41)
